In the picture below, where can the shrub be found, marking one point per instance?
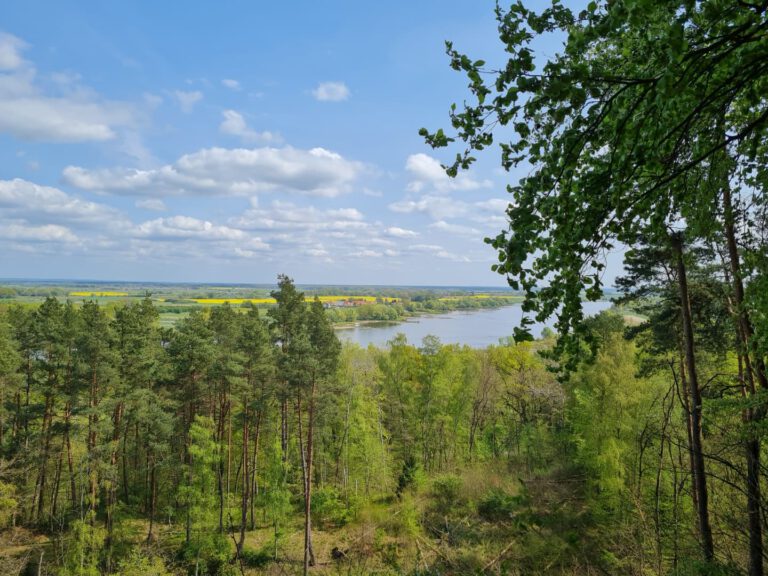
(496, 505)
(139, 564)
(256, 558)
(407, 474)
(329, 508)
(8, 503)
(447, 491)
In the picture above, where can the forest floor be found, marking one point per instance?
(483, 520)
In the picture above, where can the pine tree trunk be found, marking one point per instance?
(246, 484)
(254, 469)
(754, 370)
(700, 479)
(117, 417)
(152, 497)
(284, 428)
(93, 421)
(309, 555)
(41, 476)
(220, 465)
(70, 463)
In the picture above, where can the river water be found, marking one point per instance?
(476, 328)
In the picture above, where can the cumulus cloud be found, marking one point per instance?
(437, 207)
(35, 218)
(401, 232)
(177, 227)
(496, 205)
(61, 120)
(439, 252)
(317, 252)
(231, 84)
(154, 204)
(229, 172)
(24, 232)
(452, 256)
(286, 216)
(10, 51)
(74, 114)
(35, 203)
(426, 172)
(194, 239)
(444, 226)
(234, 124)
(331, 92)
(187, 100)
(332, 234)
(366, 254)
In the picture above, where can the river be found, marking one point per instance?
(476, 328)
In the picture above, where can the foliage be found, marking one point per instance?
(329, 508)
(425, 456)
(141, 564)
(498, 506)
(83, 548)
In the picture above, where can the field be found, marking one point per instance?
(345, 303)
(97, 294)
(325, 299)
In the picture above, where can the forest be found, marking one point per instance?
(251, 441)
(244, 443)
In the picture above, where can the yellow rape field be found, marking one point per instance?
(98, 294)
(332, 298)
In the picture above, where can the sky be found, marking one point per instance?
(232, 141)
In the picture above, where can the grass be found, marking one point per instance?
(98, 294)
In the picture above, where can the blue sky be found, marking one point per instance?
(235, 140)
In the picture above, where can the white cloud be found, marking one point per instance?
(444, 226)
(231, 84)
(154, 204)
(317, 252)
(401, 232)
(366, 254)
(232, 172)
(10, 51)
(426, 171)
(493, 205)
(373, 240)
(152, 100)
(453, 256)
(73, 114)
(187, 100)
(41, 215)
(176, 227)
(234, 124)
(194, 239)
(61, 120)
(437, 207)
(331, 92)
(43, 204)
(346, 214)
(286, 216)
(439, 252)
(23, 232)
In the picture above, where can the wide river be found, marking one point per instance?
(476, 328)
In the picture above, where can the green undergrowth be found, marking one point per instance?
(480, 520)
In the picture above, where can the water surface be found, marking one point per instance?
(476, 328)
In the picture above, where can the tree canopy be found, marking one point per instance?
(634, 124)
